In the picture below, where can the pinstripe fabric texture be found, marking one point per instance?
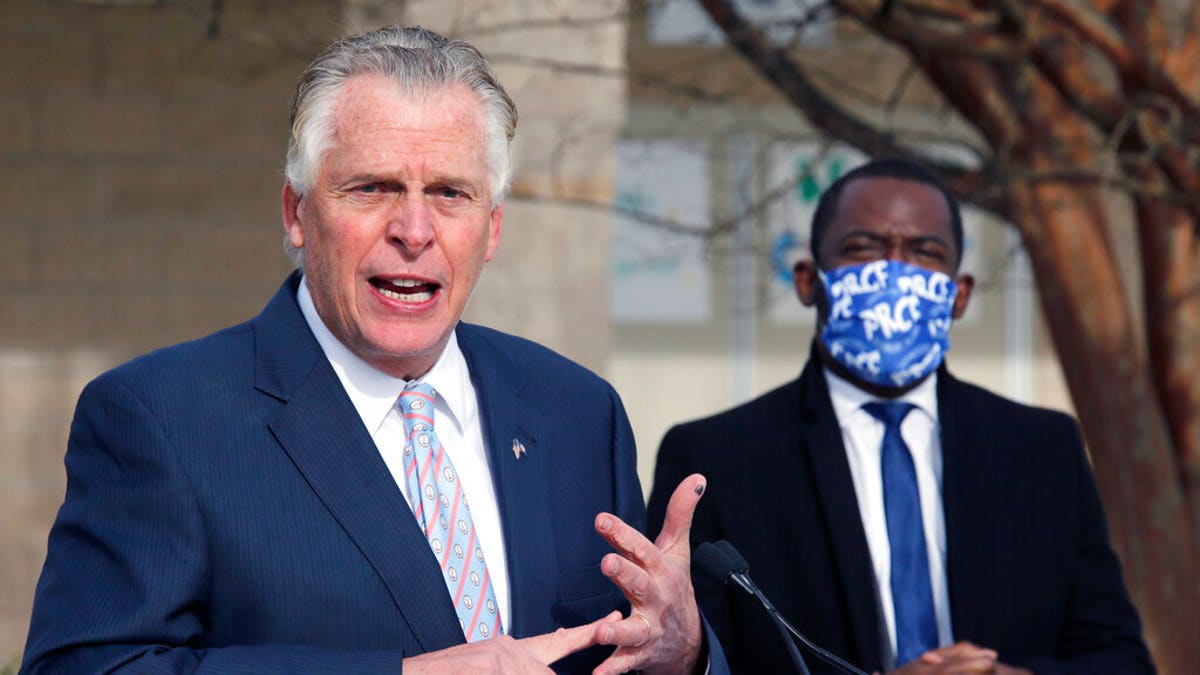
(228, 512)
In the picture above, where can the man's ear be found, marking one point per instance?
(495, 225)
(966, 283)
(804, 278)
(291, 215)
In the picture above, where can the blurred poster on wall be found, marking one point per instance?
(660, 272)
(797, 173)
(786, 22)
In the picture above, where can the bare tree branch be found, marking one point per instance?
(1064, 63)
(782, 72)
(971, 36)
(1132, 64)
(1183, 64)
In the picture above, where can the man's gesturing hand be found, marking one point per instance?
(662, 633)
(504, 655)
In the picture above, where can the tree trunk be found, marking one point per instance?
(1064, 228)
(1171, 270)
(1109, 379)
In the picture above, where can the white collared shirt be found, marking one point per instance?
(862, 435)
(456, 419)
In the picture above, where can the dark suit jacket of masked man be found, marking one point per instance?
(1030, 570)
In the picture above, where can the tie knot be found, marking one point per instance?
(417, 398)
(891, 413)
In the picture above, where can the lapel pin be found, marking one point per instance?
(518, 449)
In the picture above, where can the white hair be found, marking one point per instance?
(419, 61)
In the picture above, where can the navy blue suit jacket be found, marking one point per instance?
(1029, 567)
(227, 511)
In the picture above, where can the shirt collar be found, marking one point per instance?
(848, 399)
(374, 392)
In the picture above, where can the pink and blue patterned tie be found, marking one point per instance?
(442, 512)
(912, 591)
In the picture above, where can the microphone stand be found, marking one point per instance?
(781, 624)
(723, 560)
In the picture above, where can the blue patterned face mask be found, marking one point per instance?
(889, 321)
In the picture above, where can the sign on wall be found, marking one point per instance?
(660, 272)
(808, 168)
(684, 22)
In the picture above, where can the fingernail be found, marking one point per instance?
(605, 524)
(700, 489)
(609, 635)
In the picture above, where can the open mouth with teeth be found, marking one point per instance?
(406, 290)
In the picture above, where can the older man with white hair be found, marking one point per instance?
(355, 480)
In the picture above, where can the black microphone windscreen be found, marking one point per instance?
(739, 563)
(712, 561)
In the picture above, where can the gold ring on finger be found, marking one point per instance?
(649, 631)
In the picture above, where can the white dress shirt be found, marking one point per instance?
(456, 420)
(862, 435)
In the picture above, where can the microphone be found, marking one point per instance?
(721, 561)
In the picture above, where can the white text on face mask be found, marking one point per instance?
(934, 289)
(890, 320)
(868, 360)
(871, 278)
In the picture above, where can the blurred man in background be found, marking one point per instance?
(899, 517)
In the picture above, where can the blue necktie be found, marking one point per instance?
(442, 512)
(912, 593)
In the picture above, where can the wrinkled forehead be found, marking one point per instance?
(369, 102)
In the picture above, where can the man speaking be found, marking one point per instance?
(354, 481)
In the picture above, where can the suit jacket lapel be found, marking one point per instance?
(512, 432)
(968, 503)
(321, 431)
(835, 491)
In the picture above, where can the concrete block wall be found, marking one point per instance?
(141, 149)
